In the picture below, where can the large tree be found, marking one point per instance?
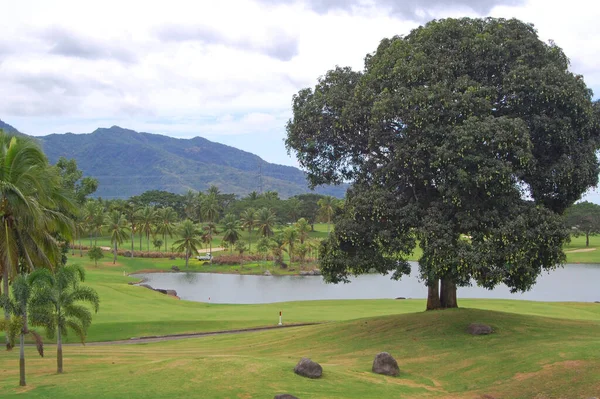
(467, 136)
(116, 225)
(584, 219)
(190, 240)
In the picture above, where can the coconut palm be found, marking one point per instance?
(265, 222)
(210, 207)
(147, 220)
(248, 222)
(327, 206)
(33, 206)
(303, 229)
(290, 235)
(230, 230)
(17, 325)
(166, 218)
(58, 301)
(190, 240)
(209, 230)
(131, 214)
(117, 229)
(190, 204)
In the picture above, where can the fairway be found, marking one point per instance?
(537, 348)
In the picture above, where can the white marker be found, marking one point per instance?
(280, 323)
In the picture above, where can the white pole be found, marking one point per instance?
(280, 323)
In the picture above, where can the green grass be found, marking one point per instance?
(526, 357)
(538, 350)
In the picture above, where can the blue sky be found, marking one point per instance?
(223, 70)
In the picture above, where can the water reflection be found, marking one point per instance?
(572, 283)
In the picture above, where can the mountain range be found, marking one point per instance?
(128, 163)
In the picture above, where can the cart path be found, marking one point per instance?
(173, 337)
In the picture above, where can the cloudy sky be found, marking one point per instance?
(225, 70)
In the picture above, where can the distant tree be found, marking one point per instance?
(290, 236)
(584, 219)
(309, 208)
(240, 247)
(190, 205)
(265, 222)
(57, 304)
(277, 247)
(210, 208)
(294, 209)
(157, 243)
(327, 206)
(190, 240)
(160, 199)
(253, 196)
(95, 254)
(166, 218)
(147, 221)
(231, 227)
(248, 222)
(271, 195)
(301, 251)
(132, 215)
(303, 229)
(210, 229)
(116, 225)
(463, 127)
(263, 245)
(73, 180)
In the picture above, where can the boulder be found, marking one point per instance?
(385, 364)
(171, 292)
(479, 329)
(267, 273)
(175, 268)
(304, 273)
(285, 396)
(317, 272)
(308, 368)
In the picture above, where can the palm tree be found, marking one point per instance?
(303, 229)
(147, 219)
(79, 225)
(33, 206)
(295, 207)
(210, 229)
(17, 325)
(327, 205)
(131, 214)
(210, 208)
(253, 196)
(266, 221)
(230, 231)
(190, 204)
(290, 235)
(166, 223)
(57, 304)
(189, 241)
(248, 221)
(117, 228)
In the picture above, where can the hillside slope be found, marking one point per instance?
(128, 163)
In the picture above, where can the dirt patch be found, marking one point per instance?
(550, 369)
(574, 251)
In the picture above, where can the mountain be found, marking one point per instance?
(8, 128)
(128, 163)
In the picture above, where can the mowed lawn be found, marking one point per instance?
(538, 350)
(526, 357)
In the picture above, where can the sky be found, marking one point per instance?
(224, 70)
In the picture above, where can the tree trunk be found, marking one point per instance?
(115, 254)
(59, 355)
(148, 241)
(587, 239)
(5, 290)
(132, 238)
(210, 250)
(22, 360)
(448, 294)
(433, 295)
(140, 240)
(187, 257)
(80, 248)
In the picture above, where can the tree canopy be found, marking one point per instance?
(584, 219)
(468, 136)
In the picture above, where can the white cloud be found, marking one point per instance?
(219, 69)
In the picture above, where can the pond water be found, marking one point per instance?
(574, 282)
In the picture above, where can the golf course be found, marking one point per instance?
(537, 349)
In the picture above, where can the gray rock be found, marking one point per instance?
(285, 396)
(171, 292)
(308, 368)
(385, 364)
(304, 273)
(175, 268)
(267, 273)
(317, 272)
(479, 329)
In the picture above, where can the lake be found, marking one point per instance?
(574, 282)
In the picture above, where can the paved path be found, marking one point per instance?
(160, 338)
